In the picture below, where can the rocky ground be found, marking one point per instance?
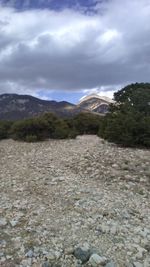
(72, 202)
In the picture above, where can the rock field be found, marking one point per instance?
(77, 202)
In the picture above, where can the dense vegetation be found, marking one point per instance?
(127, 123)
(5, 127)
(50, 126)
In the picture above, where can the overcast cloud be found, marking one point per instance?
(72, 49)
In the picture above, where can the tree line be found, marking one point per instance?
(48, 126)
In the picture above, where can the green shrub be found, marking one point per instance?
(63, 131)
(51, 121)
(41, 128)
(30, 127)
(5, 129)
(87, 123)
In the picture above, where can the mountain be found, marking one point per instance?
(96, 103)
(15, 107)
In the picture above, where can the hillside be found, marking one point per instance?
(14, 107)
(57, 196)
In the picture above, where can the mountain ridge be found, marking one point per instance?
(104, 98)
(16, 107)
(96, 103)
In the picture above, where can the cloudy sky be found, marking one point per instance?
(64, 49)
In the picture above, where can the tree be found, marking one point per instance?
(128, 122)
(135, 96)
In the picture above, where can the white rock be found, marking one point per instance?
(26, 263)
(9, 257)
(3, 259)
(105, 228)
(69, 250)
(96, 260)
(13, 223)
(30, 253)
(113, 229)
(147, 262)
(3, 222)
(110, 264)
(137, 264)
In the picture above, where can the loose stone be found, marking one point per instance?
(96, 260)
(82, 254)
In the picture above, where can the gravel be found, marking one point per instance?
(57, 196)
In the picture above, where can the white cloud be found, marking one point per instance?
(107, 90)
(70, 50)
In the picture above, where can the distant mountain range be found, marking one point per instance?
(16, 107)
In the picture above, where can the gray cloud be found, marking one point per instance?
(69, 50)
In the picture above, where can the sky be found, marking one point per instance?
(65, 49)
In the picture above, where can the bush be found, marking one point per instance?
(61, 131)
(5, 129)
(41, 128)
(51, 122)
(87, 123)
(119, 128)
(36, 127)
